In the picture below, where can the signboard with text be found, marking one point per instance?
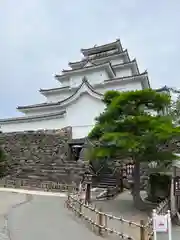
(161, 224)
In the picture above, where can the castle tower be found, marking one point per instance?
(77, 101)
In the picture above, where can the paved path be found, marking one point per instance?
(45, 218)
(8, 201)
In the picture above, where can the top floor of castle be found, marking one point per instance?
(101, 65)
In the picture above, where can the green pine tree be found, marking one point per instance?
(129, 129)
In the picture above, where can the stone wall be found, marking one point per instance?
(40, 155)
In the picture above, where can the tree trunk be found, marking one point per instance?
(138, 202)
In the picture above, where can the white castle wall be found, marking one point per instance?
(117, 61)
(129, 86)
(123, 72)
(35, 111)
(58, 96)
(80, 114)
(33, 125)
(94, 77)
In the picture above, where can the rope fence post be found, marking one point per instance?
(68, 201)
(100, 221)
(105, 220)
(105, 224)
(142, 230)
(80, 208)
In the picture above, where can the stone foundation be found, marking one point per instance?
(40, 156)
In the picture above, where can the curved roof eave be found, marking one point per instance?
(69, 71)
(66, 88)
(49, 90)
(32, 118)
(63, 102)
(131, 78)
(96, 59)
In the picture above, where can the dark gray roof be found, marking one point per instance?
(98, 84)
(104, 47)
(57, 114)
(86, 67)
(49, 89)
(126, 77)
(163, 89)
(59, 103)
(84, 61)
(77, 89)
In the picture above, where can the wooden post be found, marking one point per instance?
(88, 193)
(121, 180)
(67, 202)
(118, 179)
(105, 220)
(142, 230)
(70, 188)
(16, 184)
(108, 192)
(100, 221)
(80, 208)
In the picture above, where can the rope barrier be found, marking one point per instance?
(93, 209)
(146, 228)
(91, 221)
(71, 204)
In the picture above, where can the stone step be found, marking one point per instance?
(41, 174)
(32, 177)
(108, 175)
(55, 171)
(65, 178)
(59, 171)
(49, 174)
(54, 165)
(56, 162)
(49, 167)
(61, 167)
(105, 185)
(108, 178)
(108, 182)
(73, 163)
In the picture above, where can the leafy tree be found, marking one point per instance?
(131, 126)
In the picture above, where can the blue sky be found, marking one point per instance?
(39, 37)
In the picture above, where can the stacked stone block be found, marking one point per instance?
(40, 156)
